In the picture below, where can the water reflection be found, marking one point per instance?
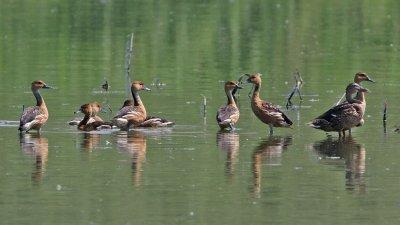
(134, 143)
(90, 141)
(38, 147)
(229, 143)
(333, 151)
(268, 152)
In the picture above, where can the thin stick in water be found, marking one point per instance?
(128, 59)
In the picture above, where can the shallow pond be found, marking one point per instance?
(192, 173)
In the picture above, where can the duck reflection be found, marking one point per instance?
(38, 147)
(354, 155)
(229, 143)
(134, 143)
(268, 152)
(90, 141)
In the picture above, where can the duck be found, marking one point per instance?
(360, 77)
(95, 108)
(150, 121)
(265, 111)
(346, 115)
(34, 117)
(86, 124)
(227, 116)
(132, 114)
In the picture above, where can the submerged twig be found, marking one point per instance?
(384, 118)
(204, 108)
(296, 89)
(241, 82)
(384, 111)
(128, 59)
(105, 85)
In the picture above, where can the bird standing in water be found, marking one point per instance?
(265, 111)
(346, 115)
(34, 117)
(228, 115)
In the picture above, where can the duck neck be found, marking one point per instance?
(360, 97)
(256, 91)
(229, 95)
(39, 99)
(136, 99)
(84, 121)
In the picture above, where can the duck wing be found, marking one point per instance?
(153, 121)
(227, 114)
(29, 115)
(339, 117)
(124, 111)
(276, 113)
(332, 113)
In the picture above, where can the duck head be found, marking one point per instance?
(353, 88)
(139, 86)
(360, 76)
(90, 109)
(85, 109)
(232, 85)
(254, 78)
(127, 102)
(38, 84)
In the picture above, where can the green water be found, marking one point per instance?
(192, 174)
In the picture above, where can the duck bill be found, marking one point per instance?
(77, 111)
(146, 88)
(47, 87)
(370, 80)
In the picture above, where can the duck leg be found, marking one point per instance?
(271, 130)
(232, 127)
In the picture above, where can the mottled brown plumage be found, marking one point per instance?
(265, 111)
(150, 121)
(132, 115)
(34, 117)
(228, 115)
(346, 115)
(90, 110)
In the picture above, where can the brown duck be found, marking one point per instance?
(89, 111)
(94, 108)
(346, 115)
(360, 77)
(34, 117)
(150, 121)
(265, 111)
(228, 115)
(132, 114)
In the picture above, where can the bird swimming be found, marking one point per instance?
(346, 115)
(90, 110)
(265, 111)
(132, 114)
(228, 115)
(34, 117)
(94, 108)
(150, 121)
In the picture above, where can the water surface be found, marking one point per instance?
(192, 173)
